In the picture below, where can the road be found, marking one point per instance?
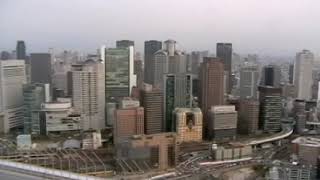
(9, 175)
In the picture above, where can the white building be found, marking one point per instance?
(59, 77)
(12, 78)
(303, 74)
(88, 93)
(56, 117)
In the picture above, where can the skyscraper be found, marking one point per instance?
(271, 76)
(150, 48)
(224, 51)
(211, 86)
(161, 67)
(249, 76)
(87, 84)
(120, 77)
(41, 71)
(34, 95)
(177, 63)
(177, 93)
(270, 109)
(248, 120)
(303, 74)
(196, 60)
(168, 60)
(21, 50)
(124, 44)
(152, 101)
(12, 79)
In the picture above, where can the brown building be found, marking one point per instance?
(211, 78)
(157, 150)
(152, 101)
(248, 121)
(128, 122)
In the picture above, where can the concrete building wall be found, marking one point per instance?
(128, 122)
(189, 124)
(303, 74)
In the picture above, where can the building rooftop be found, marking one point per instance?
(307, 141)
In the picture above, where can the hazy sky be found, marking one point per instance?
(253, 26)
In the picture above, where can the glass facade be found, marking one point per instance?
(117, 73)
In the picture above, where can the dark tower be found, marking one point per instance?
(150, 47)
(224, 51)
(21, 50)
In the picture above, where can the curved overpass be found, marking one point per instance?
(283, 134)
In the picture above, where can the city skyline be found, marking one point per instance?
(251, 26)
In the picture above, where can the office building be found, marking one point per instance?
(168, 60)
(196, 60)
(303, 74)
(177, 63)
(34, 95)
(157, 149)
(59, 76)
(270, 109)
(128, 122)
(248, 120)
(223, 123)
(161, 67)
(12, 79)
(150, 48)
(249, 76)
(188, 124)
(87, 83)
(307, 149)
(177, 93)
(21, 50)
(56, 118)
(152, 101)
(271, 76)
(124, 44)
(119, 71)
(224, 52)
(41, 70)
(211, 86)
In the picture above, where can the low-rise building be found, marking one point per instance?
(157, 150)
(307, 149)
(56, 117)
